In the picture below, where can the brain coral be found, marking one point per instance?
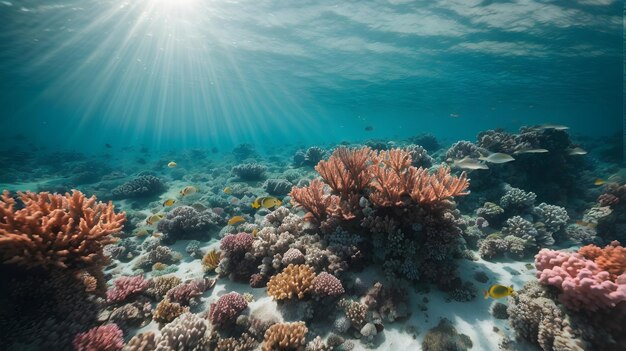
(295, 280)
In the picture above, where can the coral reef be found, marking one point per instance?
(185, 222)
(285, 336)
(106, 338)
(277, 187)
(142, 186)
(186, 293)
(249, 171)
(125, 287)
(326, 284)
(187, 332)
(226, 309)
(294, 281)
(444, 337)
(166, 311)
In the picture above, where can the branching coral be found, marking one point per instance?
(285, 336)
(294, 281)
(186, 292)
(188, 332)
(226, 309)
(105, 338)
(326, 284)
(142, 186)
(125, 287)
(56, 230)
(166, 311)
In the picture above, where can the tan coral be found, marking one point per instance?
(166, 311)
(54, 230)
(142, 342)
(294, 281)
(211, 260)
(161, 285)
(285, 336)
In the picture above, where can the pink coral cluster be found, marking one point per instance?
(235, 243)
(104, 338)
(583, 283)
(125, 287)
(227, 308)
(185, 292)
(326, 284)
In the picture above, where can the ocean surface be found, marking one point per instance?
(259, 166)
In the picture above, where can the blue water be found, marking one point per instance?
(173, 74)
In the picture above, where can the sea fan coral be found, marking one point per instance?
(285, 336)
(294, 281)
(227, 308)
(56, 230)
(104, 338)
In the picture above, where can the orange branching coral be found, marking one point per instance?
(612, 258)
(295, 280)
(429, 188)
(313, 198)
(56, 230)
(346, 169)
(285, 336)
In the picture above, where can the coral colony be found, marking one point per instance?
(361, 241)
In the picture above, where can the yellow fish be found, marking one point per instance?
(141, 232)
(599, 182)
(172, 164)
(236, 220)
(254, 232)
(228, 190)
(266, 202)
(498, 291)
(586, 224)
(169, 202)
(188, 190)
(154, 218)
(157, 235)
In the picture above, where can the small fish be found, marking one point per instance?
(553, 126)
(255, 231)
(157, 235)
(154, 218)
(531, 151)
(108, 146)
(498, 291)
(469, 163)
(369, 128)
(497, 157)
(141, 232)
(266, 202)
(172, 164)
(168, 202)
(599, 181)
(188, 190)
(586, 224)
(228, 190)
(576, 151)
(236, 220)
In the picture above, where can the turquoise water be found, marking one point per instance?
(191, 73)
(191, 175)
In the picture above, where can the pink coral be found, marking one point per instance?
(583, 284)
(104, 338)
(124, 287)
(227, 308)
(326, 284)
(185, 292)
(47, 230)
(237, 243)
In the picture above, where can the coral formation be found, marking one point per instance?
(226, 309)
(166, 311)
(326, 284)
(444, 337)
(125, 287)
(285, 336)
(142, 186)
(187, 332)
(104, 338)
(185, 222)
(249, 171)
(294, 281)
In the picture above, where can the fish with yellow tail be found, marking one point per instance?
(235, 220)
(497, 291)
(188, 190)
(228, 190)
(266, 202)
(172, 164)
(154, 218)
(168, 202)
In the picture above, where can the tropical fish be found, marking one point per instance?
(531, 151)
(599, 181)
(154, 218)
(553, 126)
(369, 128)
(141, 232)
(266, 202)
(188, 190)
(172, 164)
(157, 235)
(576, 151)
(497, 157)
(168, 202)
(236, 220)
(469, 163)
(228, 190)
(498, 291)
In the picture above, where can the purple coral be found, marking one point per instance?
(227, 308)
(185, 292)
(104, 338)
(237, 243)
(326, 284)
(124, 287)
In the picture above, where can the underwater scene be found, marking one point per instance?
(233, 175)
